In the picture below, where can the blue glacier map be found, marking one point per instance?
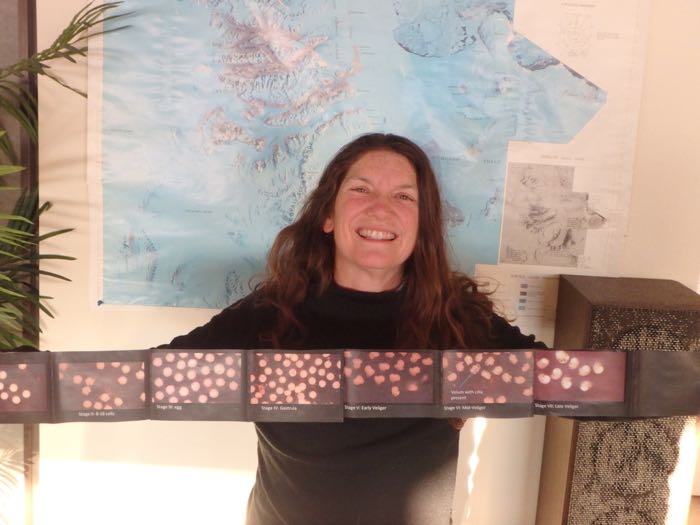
(218, 117)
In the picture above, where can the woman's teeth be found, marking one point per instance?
(376, 235)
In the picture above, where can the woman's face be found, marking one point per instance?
(374, 222)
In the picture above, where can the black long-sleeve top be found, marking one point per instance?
(361, 471)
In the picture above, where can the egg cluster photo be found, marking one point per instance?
(196, 377)
(389, 377)
(100, 385)
(24, 384)
(278, 378)
(486, 377)
(197, 384)
(580, 375)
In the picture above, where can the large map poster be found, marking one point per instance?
(217, 117)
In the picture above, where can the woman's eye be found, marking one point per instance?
(405, 197)
(360, 189)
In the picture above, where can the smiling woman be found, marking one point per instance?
(364, 266)
(374, 222)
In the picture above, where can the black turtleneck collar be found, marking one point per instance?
(338, 302)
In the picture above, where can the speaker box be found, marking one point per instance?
(616, 472)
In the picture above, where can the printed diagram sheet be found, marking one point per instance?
(545, 222)
(566, 205)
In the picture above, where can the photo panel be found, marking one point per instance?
(25, 380)
(100, 385)
(580, 382)
(201, 385)
(486, 383)
(295, 385)
(389, 383)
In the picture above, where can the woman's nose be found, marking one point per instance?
(380, 205)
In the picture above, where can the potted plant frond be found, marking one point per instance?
(20, 299)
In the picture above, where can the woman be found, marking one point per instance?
(364, 266)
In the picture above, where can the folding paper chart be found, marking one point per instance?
(330, 385)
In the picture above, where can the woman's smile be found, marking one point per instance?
(376, 235)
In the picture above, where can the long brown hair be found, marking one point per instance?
(442, 308)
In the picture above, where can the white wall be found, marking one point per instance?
(664, 220)
(162, 472)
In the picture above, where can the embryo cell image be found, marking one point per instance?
(23, 387)
(101, 385)
(389, 377)
(196, 377)
(486, 377)
(580, 375)
(300, 378)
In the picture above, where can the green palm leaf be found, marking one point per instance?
(19, 239)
